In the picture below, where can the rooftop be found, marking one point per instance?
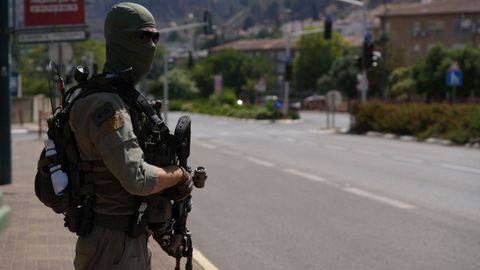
(269, 44)
(433, 8)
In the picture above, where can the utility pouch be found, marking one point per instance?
(80, 220)
(138, 222)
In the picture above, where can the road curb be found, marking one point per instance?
(391, 136)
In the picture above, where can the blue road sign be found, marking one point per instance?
(278, 104)
(454, 77)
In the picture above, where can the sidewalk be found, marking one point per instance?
(36, 238)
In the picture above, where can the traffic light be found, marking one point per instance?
(207, 19)
(327, 32)
(368, 48)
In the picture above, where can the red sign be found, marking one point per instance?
(54, 12)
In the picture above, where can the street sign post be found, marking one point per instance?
(454, 79)
(333, 99)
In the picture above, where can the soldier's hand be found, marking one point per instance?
(184, 186)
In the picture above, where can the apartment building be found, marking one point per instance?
(417, 27)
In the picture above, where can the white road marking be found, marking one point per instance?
(378, 198)
(407, 159)
(334, 147)
(204, 144)
(229, 152)
(306, 175)
(369, 153)
(261, 162)
(287, 139)
(461, 168)
(323, 131)
(308, 143)
(205, 263)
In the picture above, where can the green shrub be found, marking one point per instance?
(458, 123)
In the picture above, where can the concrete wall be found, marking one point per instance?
(26, 108)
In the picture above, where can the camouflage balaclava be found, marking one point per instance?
(123, 50)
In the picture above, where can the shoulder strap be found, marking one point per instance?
(117, 85)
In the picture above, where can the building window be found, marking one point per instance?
(416, 30)
(435, 27)
(463, 25)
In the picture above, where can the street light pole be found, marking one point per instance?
(364, 5)
(5, 135)
(165, 61)
(286, 93)
(165, 82)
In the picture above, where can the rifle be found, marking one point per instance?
(178, 243)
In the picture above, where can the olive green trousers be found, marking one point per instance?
(111, 249)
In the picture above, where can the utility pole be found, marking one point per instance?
(5, 136)
(207, 25)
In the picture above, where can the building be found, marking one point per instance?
(272, 49)
(417, 27)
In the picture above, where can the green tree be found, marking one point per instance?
(180, 85)
(235, 67)
(83, 50)
(315, 57)
(401, 85)
(430, 73)
(344, 75)
(468, 59)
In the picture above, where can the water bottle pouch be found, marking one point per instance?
(44, 188)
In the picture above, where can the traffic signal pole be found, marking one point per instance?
(364, 5)
(5, 136)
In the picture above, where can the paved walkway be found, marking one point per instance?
(36, 238)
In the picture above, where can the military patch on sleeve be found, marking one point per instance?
(103, 113)
(113, 123)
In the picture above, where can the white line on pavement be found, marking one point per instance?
(461, 168)
(369, 153)
(205, 263)
(308, 143)
(407, 159)
(229, 152)
(287, 139)
(306, 175)
(334, 147)
(378, 198)
(261, 162)
(204, 144)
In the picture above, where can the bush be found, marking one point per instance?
(214, 106)
(458, 123)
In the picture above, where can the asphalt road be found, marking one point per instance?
(294, 196)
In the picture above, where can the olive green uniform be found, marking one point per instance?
(103, 131)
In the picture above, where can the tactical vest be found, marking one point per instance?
(79, 197)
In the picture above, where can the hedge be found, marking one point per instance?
(457, 123)
(246, 111)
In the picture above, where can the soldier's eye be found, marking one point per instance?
(146, 36)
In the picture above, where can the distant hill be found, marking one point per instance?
(226, 13)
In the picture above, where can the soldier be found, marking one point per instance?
(102, 126)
